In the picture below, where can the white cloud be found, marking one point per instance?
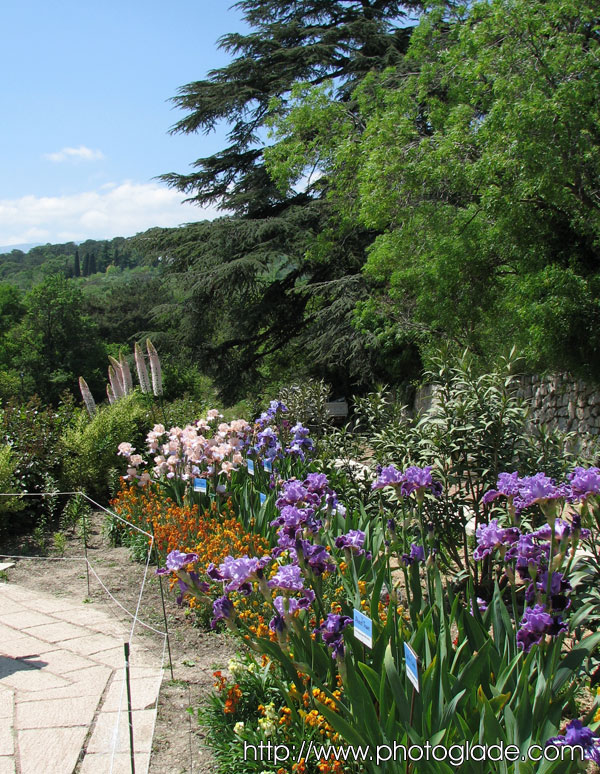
(77, 154)
(115, 209)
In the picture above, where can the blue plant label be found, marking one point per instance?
(268, 466)
(200, 485)
(263, 498)
(412, 665)
(250, 464)
(363, 628)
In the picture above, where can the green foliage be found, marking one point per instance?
(287, 44)
(33, 432)
(90, 446)
(252, 310)
(475, 427)
(25, 270)
(475, 163)
(8, 483)
(59, 543)
(57, 341)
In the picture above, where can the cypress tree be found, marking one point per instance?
(76, 265)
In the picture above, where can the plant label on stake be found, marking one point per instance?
(200, 485)
(263, 498)
(250, 464)
(268, 466)
(363, 628)
(412, 665)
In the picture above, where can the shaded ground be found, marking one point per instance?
(178, 741)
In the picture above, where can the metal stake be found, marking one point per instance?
(162, 599)
(129, 709)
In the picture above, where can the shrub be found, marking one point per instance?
(90, 447)
(8, 483)
(33, 432)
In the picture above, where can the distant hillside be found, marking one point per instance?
(26, 268)
(23, 247)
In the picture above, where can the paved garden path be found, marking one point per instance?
(62, 685)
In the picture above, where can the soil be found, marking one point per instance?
(178, 746)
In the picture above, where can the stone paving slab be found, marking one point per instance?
(103, 737)
(100, 763)
(51, 750)
(61, 685)
(7, 765)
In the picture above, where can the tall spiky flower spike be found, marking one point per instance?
(125, 374)
(87, 396)
(142, 371)
(115, 382)
(117, 369)
(155, 368)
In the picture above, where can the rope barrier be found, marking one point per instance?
(134, 616)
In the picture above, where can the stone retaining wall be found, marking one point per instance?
(563, 402)
(559, 401)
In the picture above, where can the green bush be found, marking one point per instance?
(33, 431)
(8, 505)
(91, 446)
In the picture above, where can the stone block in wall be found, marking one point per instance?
(562, 423)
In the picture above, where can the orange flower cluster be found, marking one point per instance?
(234, 694)
(212, 535)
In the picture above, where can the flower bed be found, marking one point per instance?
(503, 652)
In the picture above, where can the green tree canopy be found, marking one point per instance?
(478, 168)
(305, 41)
(57, 340)
(257, 292)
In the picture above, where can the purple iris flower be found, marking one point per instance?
(417, 554)
(352, 541)
(317, 483)
(418, 480)
(239, 572)
(539, 488)
(300, 442)
(585, 482)
(317, 558)
(294, 493)
(303, 603)
(288, 577)
(535, 625)
(268, 445)
(482, 605)
(530, 556)
(331, 631)
(222, 610)
(277, 623)
(290, 517)
(389, 476)
(176, 561)
(270, 414)
(576, 734)
(491, 536)
(559, 585)
(508, 486)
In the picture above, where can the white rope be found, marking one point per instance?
(134, 616)
(124, 609)
(71, 494)
(50, 558)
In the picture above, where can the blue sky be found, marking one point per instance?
(85, 110)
